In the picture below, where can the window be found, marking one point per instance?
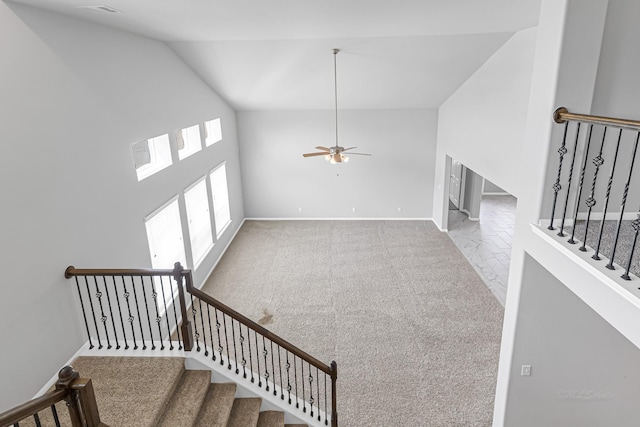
(188, 141)
(220, 196)
(212, 132)
(151, 155)
(164, 234)
(197, 203)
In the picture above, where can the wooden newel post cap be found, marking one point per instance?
(66, 377)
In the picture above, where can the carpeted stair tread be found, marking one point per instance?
(131, 391)
(184, 406)
(271, 419)
(245, 412)
(217, 405)
(296, 425)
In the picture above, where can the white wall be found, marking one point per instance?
(74, 97)
(583, 370)
(278, 180)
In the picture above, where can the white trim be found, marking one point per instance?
(497, 194)
(215, 264)
(339, 219)
(469, 215)
(54, 379)
(157, 210)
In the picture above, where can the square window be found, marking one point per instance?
(188, 141)
(151, 156)
(212, 132)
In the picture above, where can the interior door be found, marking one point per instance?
(454, 183)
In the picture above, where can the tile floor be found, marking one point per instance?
(487, 243)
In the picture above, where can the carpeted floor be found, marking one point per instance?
(415, 331)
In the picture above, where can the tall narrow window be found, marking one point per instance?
(197, 203)
(212, 132)
(220, 196)
(188, 141)
(151, 155)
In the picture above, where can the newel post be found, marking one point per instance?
(66, 377)
(334, 398)
(187, 334)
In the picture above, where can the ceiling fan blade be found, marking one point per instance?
(359, 154)
(320, 147)
(346, 149)
(313, 154)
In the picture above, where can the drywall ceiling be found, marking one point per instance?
(276, 54)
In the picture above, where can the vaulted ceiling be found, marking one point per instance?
(276, 54)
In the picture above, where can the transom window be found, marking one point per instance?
(151, 156)
(188, 141)
(212, 132)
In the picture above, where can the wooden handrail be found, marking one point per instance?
(71, 271)
(206, 298)
(562, 115)
(78, 394)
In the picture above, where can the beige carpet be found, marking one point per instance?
(415, 331)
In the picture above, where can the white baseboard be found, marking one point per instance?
(54, 379)
(469, 215)
(215, 264)
(339, 219)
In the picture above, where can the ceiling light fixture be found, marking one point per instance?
(334, 154)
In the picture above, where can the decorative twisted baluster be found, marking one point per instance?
(318, 391)
(103, 318)
(255, 334)
(584, 167)
(146, 308)
(591, 201)
(154, 295)
(250, 358)
(304, 402)
(265, 353)
(235, 352)
(280, 368)
(113, 319)
(273, 369)
(635, 224)
(326, 413)
(220, 348)
(130, 319)
(204, 333)
(243, 361)
(624, 203)
(213, 352)
(226, 339)
(556, 186)
(124, 333)
(93, 313)
(596, 255)
(84, 313)
(311, 400)
(568, 192)
(287, 367)
(196, 334)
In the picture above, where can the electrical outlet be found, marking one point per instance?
(526, 370)
(353, 209)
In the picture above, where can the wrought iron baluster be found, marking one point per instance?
(113, 319)
(326, 413)
(304, 402)
(166, 312)
(220, 349)
(636, 227)
(204, 333)
(196, 334)
(93, 312)
(568, 192)
(280, 367)
(596, 255)
(265, 353)
(124, 332)
(131, 318)
(311, 399)
(84, 313)
(273, 369)
(135, 299)
(103, 318)
(226, 339)
(250, 358)
(235, 351)
(318, 391)
(295, 380)
(146, 307)
(54, 412)
(287, 368)
(244, 361)
(556, 186)
(36, 419)
(591, 201)
(213, 351)
(624, 202)
(584, 167)
(154, 295)
(255, 334)
(175, 315)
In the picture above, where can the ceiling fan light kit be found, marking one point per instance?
(334, 154)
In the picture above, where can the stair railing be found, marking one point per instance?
(152, 309)
(76, 392)
(582, 204)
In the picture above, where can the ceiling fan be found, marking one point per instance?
(334, 154)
